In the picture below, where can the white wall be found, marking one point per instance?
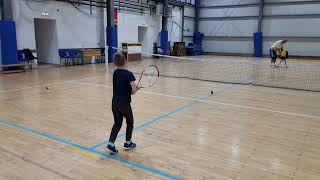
(243, 28)
(225, 2)
(128, 27)
(296, 48)
(234, 12)
(189, 24)
(175, 25)
(291, 9)
(143, 38)
(242, 47)
(188, 27)
(74, 28)
(300, 29)
(189, 11)
(223, 28)
(287, 0)
(292, 27)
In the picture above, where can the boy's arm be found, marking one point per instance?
(134, 87)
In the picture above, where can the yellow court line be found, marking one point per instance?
(86, 153)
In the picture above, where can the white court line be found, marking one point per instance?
(212, 102)
(43, 85)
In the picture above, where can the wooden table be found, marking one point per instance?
(132, 51)
(92, 53)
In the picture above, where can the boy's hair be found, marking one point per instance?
(119, 59)
(284, 41)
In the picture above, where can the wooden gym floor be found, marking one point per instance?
(240, 132)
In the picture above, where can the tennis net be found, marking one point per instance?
(247, 71)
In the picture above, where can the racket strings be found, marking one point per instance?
(149, 76)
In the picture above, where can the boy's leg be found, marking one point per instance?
(127, 112)
(118, 118)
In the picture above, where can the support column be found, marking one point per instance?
(197, 35)
(261, 5)
(8, 38)
(111, 31)
(1, 16)
(164, 32)
(257, 37)
(164, 16)
(182, 25)
(197, 12)
(7, 13)
(1, 10)
(101, 26)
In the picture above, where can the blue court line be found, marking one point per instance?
(116, 158)
(180, 108)
(148, 122)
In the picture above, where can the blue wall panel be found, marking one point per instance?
(8, 42)
(111, 42)
(164, 42)
(257, 44)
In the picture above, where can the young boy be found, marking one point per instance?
(276, 47)
(123, 87)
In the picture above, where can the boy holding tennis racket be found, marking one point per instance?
(123, 87)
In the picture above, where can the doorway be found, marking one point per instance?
(143, 38)
(46, 40)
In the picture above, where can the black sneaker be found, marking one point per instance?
(112, 149)
(128, 146)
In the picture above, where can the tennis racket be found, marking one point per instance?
(149, 76)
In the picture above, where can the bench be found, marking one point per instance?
(98, 53)
(21, 67)
(73, 56)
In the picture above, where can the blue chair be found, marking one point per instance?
(20, 56)
(79, 56)
(75, 56)
(26, 57)
(72, 55)
(64, 55)
(190, 49)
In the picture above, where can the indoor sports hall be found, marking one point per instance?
(221, 89)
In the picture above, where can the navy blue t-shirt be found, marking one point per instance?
(121, 86)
